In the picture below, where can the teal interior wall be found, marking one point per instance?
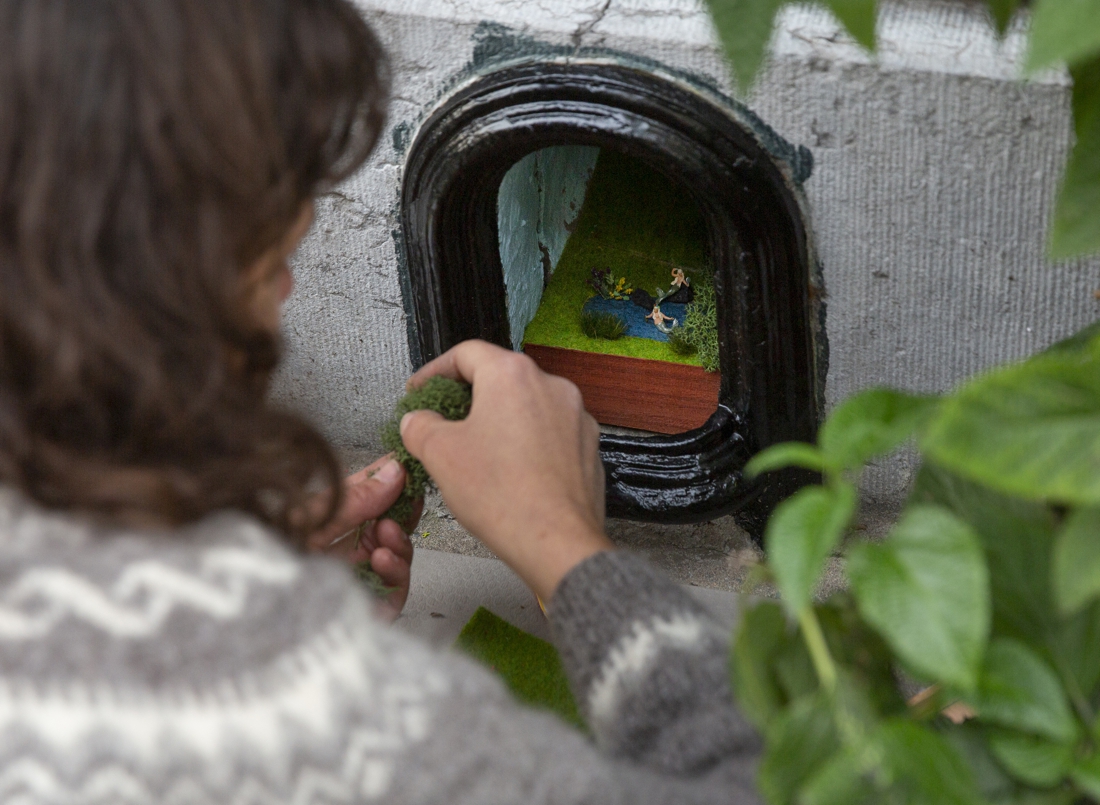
(538, 202)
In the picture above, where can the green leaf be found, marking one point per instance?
(1063, 30)
(858, 16)
(1031, 430)
(1075, 646)
(1002, 11)
(1018, 689)
(794, 669)
(1080, 341)
(760, 636)
(798, 743)
(1018, 538)
(842, 780)
(1076, 227)
(786, 454)
(863, 656)
(745, 28)
(801, 535)
(970, 741)
(1016, 535)
(1032, 760)
(926, 590)
(1076, 561)
(923, 767)
(1086, 775)
(904, 761)
(871, 423)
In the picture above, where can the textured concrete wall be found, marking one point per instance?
(934, 178)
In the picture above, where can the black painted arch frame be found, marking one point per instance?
(758, 239)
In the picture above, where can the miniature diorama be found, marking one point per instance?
(643, 236)
(609, 284)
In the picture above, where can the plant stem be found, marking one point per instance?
(819, 651)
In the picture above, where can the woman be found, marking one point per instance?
(160, 638)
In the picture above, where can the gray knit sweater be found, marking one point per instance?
(213, 665)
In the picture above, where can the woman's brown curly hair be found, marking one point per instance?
(149, 151)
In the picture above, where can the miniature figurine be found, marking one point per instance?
(681, 291)
(660, 318)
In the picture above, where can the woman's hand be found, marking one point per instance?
(357, 535)
(522, 472)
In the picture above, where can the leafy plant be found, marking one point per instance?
(608, 326)
(700, 327)
(987, 591)
(1062, 31)
(605, 285)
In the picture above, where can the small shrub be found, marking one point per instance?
(602, 325)
(605, 285)
(679, 343)
(700, 327)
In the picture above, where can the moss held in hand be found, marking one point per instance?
(446, 397)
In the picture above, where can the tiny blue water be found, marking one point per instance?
(635, 317)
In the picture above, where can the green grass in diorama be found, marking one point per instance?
(607, 326)
(639, 225)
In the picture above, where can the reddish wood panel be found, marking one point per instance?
(634, 392)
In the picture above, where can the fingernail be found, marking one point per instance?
(389, 472)
(404, 423)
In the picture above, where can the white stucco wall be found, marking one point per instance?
(934, 177)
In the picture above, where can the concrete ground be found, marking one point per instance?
(453, 573)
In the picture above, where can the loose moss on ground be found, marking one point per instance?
(529, 666)
(638, 224)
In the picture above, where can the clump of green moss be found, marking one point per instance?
(679, 343)
(446, 397)
(602, 325)
(700, 328)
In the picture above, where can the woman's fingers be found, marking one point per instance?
(394, 572)
(388, 534)
(458, 363)
(366, 498)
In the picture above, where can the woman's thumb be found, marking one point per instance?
(417, 427)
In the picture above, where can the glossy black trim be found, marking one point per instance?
(759, 246)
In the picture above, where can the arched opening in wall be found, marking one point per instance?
(608, 283)
(743, 233)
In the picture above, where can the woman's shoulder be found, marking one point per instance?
(214, 658)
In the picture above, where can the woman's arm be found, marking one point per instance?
(648, 667)
(646, 662)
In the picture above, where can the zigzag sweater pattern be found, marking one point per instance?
(212, 664)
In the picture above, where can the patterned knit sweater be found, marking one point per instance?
(213, 665)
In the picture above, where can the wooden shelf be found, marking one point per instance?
(633, 392)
